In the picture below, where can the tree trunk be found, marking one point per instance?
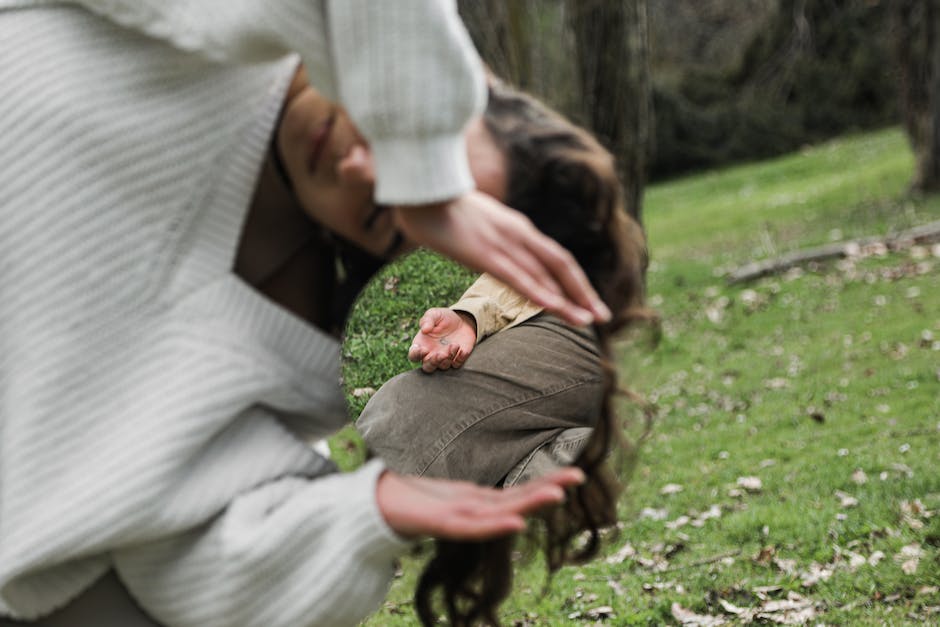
(917, 51)
(611, 52)
(500, 31)
(588, 58)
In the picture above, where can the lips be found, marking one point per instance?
(318, 142)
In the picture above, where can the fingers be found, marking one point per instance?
(566, 477)
(417, 352)
(484, 234)
(562, 287)
(460, 510)
(460, 356)
(447, 358)
(474, 528)
(491, 512)
(564, 269)
(539, 287)
(439, 359)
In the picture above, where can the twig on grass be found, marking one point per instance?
(705, 561)
(923, 234)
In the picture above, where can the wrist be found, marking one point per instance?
(469, 320)
(387, 489)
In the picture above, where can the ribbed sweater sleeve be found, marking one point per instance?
(154, 408)
(290, 553)
(406, 71)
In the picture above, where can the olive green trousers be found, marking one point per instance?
(524, 403)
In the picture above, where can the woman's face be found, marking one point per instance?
(331, 169)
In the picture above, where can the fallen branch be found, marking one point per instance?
(924, 234)
(704, 562)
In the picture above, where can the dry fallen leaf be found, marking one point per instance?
(856, 560)
(604, 611)
(912, 512)
(670, 488)
(763, 592)
(846, 500)
(714, 511)
(626, 551)
(787, 566)
(360, 392)
(657, 586)
(910, 566)
(793, 602)
(654, 514)
(793, 617)
(656, 564)
(904, 469)
(911, 550)
(751, 484)
(614, 585)
(794, 610)
(688, 617)
(765, 555)
(681, 521)
(815, 574)
(909, 556)
(731, 608)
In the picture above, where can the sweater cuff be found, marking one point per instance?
(419, 171)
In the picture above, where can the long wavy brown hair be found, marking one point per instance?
(566, 183)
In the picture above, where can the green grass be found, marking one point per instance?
(804, 381)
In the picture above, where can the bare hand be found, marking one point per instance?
(485, 235)
(445, 339)
(460, 510)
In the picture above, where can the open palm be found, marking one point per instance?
(445, 339)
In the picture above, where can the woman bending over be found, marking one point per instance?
(157, 384)
(538, 394)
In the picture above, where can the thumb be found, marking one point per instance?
(431, 319)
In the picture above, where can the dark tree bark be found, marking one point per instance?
(916, 25)
(588, 58)
(612, 44)
(500, 30)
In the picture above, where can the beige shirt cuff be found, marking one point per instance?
(494, 306)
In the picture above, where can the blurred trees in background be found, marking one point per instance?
(801, 71)
(611, 53)
(916, 26)
(676, 85)
(587, 58)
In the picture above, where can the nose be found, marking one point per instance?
(357, 166)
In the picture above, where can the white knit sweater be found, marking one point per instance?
(154, 409)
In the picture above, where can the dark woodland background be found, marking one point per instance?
(673, 86)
